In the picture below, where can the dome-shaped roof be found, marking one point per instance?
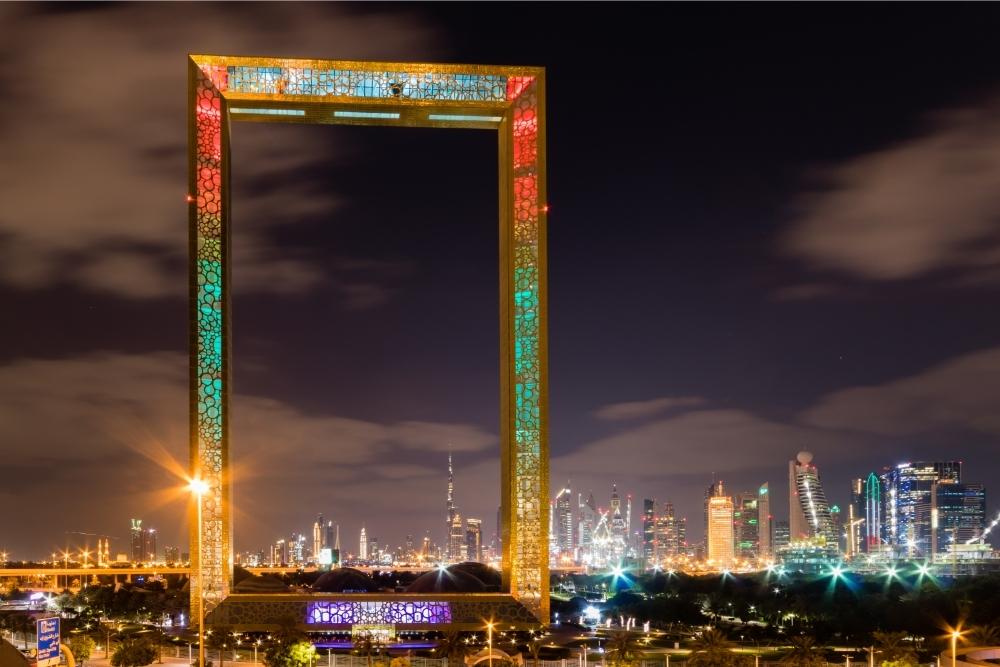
(345, 580)
(805, 458)
(261, 584)
(481, 571)
(446, 581)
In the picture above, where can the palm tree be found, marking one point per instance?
(367, 644)
(24, 624)
(985, 635)
(713, 649)
(453, 647)
(892, 647)
(804, 653)
(623, 649)
(535, 648)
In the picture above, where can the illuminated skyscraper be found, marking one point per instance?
(456, 540)
(670, 534)
(149, 545)
(958, 513)
(746, 526)
(720, 547)
(907, 504)
(318, 535)
(873, 514)
(649, 541)
(808, 509)
(135, 540)
(617, 523)
(766, 525)
(474, 540)
(587, 511)
(564, 521)
(363, 545)
(715, 489)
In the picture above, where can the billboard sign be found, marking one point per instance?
(47, 633)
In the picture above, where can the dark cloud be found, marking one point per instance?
(107, 89)
(109, 428)
(956, 394)
(926, 204)
(649, 408)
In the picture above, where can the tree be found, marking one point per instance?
(81, 646)
(985, 635)
(804, 653)
(893, 649)
(290, 654)
(133, 652)
(453, 647)
(535, 648)
(712, 649)
(622, 648)
(219, 637)
(23, 623)
(368, 645)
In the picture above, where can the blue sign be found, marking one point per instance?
(47, 631)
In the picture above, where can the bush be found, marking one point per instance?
(133, 653)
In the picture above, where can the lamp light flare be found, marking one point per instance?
(198, 486)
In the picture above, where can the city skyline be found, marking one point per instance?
(675, 354)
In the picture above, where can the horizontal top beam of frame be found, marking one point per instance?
(245, 79)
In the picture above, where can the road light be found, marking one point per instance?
(489, 640)
(955, 634)
(199, 487)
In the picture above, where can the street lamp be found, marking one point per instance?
(198, 487)
(489, 640)
(955, 634)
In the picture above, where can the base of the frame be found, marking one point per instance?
(417, 612)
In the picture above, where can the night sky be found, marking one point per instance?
(773, 228)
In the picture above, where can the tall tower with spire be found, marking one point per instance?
(450, 519)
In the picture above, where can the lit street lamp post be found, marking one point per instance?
(955, 634)
(489, 641)
(198, 487)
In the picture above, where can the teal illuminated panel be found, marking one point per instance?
(367, 114)
(270, 112)
(465, 118)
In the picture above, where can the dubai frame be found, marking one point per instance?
(508, 100)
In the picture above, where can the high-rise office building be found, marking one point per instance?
(766, 523)
(588, 519)
(720, 547)
(746, 524)
(649, 541)
(456, 540)
(329, 535)
(714, 490)
(279, 553)
(808, 509)
(670, 534)
(172, 554)
(782, 536)
(135, 541)
(363, 545)
(618, 529)
(872, 532)
(906, 493)
(149, 545)
(958, 514)
(474, 540)
(319, 533)
(564, 521)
